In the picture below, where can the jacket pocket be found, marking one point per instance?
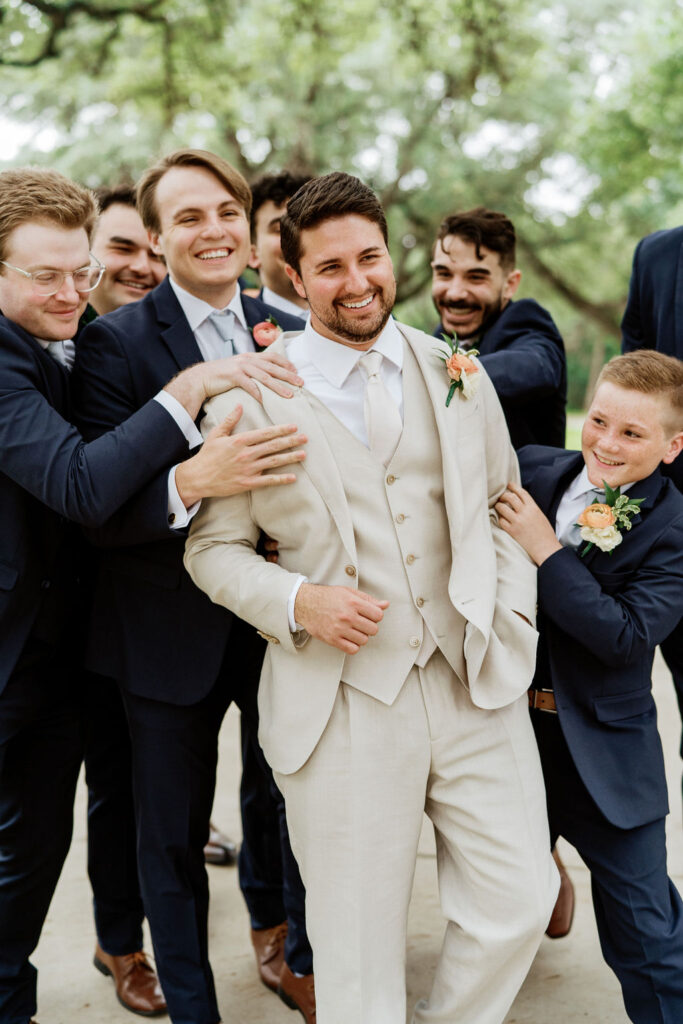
(624, 705)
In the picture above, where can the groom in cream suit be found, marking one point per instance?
(400, 638)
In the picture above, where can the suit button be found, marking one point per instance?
(350, 570)
(410, 559)
(391, 478)
(414, 641)
(420, 601)
(400, 517)
(171, 518)
(45, 584)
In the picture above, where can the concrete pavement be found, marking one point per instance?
(568, 981)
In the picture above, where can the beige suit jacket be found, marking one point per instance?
(491, 578)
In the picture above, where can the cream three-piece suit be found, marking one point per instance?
(430, 715)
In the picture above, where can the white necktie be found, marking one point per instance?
(382, 418)
(62, 352)
(570, 535)
(224, 322)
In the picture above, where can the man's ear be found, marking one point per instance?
(674, 449)
(254, 262)
(295, 278)
(511, 284)
(155, 243)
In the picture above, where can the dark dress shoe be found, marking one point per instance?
(563, 911)
(269, 947)
(298, 993)
(137, 986)
(220, 849)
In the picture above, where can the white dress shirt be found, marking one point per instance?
(272, 298)
(197, 313)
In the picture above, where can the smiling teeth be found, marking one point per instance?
(358, 305)
(212, 254)
(608, 462)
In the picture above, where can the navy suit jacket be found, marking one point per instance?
(600, 619)
(523, 353)
(50, 478)
(654, 312)
(153, 630)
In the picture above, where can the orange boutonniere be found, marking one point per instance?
(266, 332)
(461, 368)
(602, 522)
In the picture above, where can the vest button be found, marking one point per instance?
(391, 478)
(420, 601)
(410, 559)
(350, 570)
(400, 517)
(414, 641)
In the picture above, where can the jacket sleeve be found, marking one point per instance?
(220, 553)
(46, 455)
(105, 395)
(532, 361)
(632, 334)
(620, 622)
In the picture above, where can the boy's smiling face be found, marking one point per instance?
(626, 435)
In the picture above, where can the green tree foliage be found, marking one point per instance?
(565, 115)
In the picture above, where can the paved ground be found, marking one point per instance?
(568, 981)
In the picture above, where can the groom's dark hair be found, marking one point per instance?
(320, 199)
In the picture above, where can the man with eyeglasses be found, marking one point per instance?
(51, 479)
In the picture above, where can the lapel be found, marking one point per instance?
(648, 489)
(55, 376)
(319, 464)
(175, 331)
(447, 420)
(550, 482)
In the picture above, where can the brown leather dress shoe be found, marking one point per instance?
(298, 993)
(135, 980)
(269, 947)
(563, 911)
(220, 849)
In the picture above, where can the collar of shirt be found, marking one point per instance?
(271, 298)
(335, 361)
(581, 485)
(197, 311)
(66, 353)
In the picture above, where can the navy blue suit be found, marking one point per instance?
(49, 479)
(600, 619)
(654, 319)
(179, 659)
(523, 353)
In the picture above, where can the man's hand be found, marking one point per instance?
(339, 616)
(520, 516)
(203, 380)
(226, 465)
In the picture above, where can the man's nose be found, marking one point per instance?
(213, 226)
(456, 289)
(356, 282)
(141, 264)
(67, 291)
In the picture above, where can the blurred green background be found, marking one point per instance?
(566, 116)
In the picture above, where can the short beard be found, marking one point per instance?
(490, 313)
(359, 333)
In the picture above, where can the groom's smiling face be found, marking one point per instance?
(348, 278)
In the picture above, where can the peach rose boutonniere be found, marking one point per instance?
(461, 368)
(602, 522)
(266, 332)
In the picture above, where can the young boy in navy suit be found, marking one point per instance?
(610, 588)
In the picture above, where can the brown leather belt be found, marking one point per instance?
(543, 700)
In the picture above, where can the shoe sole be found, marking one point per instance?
(103, 969)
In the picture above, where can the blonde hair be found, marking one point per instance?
(651, 373)
(35, 194)
(216, 165)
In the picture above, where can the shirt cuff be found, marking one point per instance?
(181, 416)
(178, 515)
(294, 627)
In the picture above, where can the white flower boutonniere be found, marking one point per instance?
(602, 522)
(461, 368)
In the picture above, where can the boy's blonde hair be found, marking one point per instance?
(34, 194)
(651, 373)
